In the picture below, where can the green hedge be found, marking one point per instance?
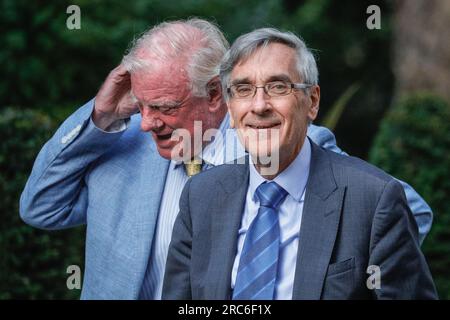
(33, 262)
(413, 144)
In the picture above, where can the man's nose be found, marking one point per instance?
(150, 120)
(260, 102)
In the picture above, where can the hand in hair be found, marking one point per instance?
(113, 101)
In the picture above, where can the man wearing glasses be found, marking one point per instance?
(313, 228)
(102, 169)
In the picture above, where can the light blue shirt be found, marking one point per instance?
(293, 179)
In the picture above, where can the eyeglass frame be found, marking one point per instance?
(292, 85)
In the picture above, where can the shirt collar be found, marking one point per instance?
(293, 179)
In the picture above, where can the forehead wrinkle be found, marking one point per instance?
(167, 103)
(162, 69)
(160, 86)
(162, 98)
(259, 58)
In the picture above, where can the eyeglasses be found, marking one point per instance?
(273, 89)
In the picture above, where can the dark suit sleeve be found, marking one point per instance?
(177, 283)
(404, 273)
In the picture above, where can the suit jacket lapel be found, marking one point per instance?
(226, 215)
(320, 222)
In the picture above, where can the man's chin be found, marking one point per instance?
(166, 154)
(173, 153)
(264, 155)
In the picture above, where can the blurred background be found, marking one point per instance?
(385, 95)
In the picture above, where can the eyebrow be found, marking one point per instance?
(240, 80)
(170, 104)
(276, 77)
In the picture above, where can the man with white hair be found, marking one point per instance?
(101, 168)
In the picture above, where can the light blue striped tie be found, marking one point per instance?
(258, 264)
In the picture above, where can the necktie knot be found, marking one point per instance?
(192, 167)
(270, 195)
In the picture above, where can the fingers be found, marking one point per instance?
(113, 101)
(120, 70)
(119, 75)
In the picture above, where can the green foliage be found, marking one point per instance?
(413, 144)
(45, 63)
(33, 263)
(334, 114)
(348, 53)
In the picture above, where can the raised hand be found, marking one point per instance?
(113, 101)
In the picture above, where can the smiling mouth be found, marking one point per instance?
(164, 136)
(265, 126)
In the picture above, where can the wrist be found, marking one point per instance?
(102, 120)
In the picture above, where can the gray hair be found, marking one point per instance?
(203, 50)
(247, 44)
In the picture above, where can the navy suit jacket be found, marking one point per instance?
(354, 216)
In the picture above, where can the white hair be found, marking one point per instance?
(247, 44)
(198, 41)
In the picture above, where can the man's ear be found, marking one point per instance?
(315, 100)
(214, 94)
